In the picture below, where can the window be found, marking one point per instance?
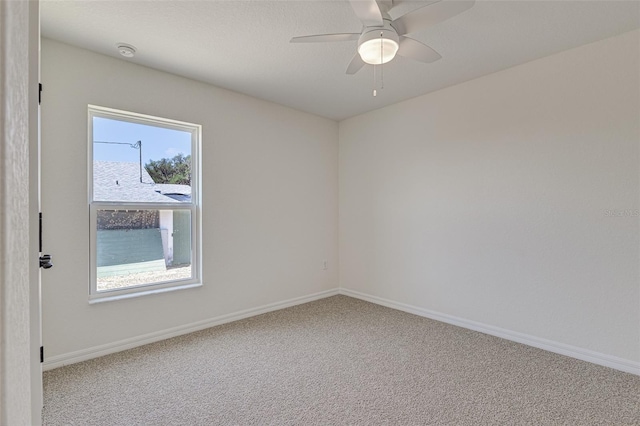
(143, 203)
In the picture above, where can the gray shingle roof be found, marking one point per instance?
(171, 188)
(116, 181)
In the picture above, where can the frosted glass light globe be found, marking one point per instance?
(373, 53)
(379, 45)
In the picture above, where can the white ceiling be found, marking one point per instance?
(244, 45)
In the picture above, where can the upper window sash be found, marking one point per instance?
(127, 180)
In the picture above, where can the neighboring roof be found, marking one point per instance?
(118, 181)
(171, 188)
(181, 193)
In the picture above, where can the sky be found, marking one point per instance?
(157, 142)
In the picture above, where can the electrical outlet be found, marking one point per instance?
(325, 264)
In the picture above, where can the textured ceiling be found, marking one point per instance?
(244, 45)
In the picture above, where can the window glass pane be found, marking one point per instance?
(140, 163)
(142, 247)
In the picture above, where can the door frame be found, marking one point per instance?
(21, 387)
(35, 299)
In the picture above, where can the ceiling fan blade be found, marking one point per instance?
(368, 12)
(325, 38)
(355, 64)
(395, 3)
(413, 49)
(430, 14)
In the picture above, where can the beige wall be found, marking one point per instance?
(498, 200)
(269, 199)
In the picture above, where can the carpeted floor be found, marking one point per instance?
(339, 361)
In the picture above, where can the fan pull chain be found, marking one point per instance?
(381, 64)
(375, 81)
(375, 93)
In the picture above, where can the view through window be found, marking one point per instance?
(143, 202)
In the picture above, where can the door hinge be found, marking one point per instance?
(40, 234)
(39, 93)
(41, 353)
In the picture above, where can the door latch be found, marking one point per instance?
(45, 261)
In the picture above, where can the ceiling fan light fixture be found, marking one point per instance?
(372, 53)
(378, 46)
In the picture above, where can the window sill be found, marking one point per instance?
(101, 299)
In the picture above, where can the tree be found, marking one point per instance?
(170, 170)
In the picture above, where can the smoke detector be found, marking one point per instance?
(126, 50)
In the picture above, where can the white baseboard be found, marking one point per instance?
(621, 364)
(109, 348)
(549, 345)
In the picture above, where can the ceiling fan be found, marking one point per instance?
(382, 38)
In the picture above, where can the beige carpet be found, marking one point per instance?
(339, 361)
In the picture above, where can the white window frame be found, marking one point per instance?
(194, 207)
